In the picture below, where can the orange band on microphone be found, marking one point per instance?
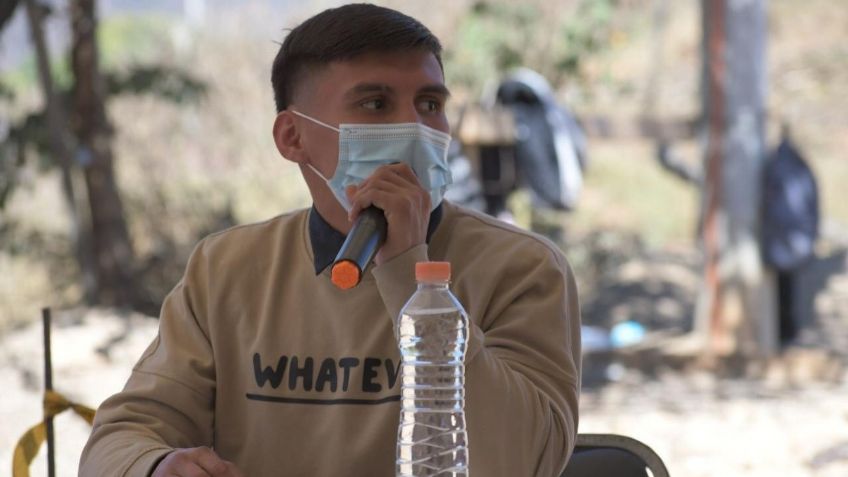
(346, 274)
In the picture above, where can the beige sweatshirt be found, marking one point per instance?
(285, 375)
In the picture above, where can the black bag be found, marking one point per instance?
(550, 148)
(790, 209)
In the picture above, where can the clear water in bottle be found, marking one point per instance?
(432, 335)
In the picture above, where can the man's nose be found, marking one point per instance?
(408, 114)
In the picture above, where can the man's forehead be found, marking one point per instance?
(380, 67)
(390, 72)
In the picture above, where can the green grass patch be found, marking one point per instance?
(626, 189)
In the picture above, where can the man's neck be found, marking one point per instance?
(335, 215)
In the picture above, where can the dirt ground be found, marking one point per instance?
(784, 416)
(705, 426)
(93, 353)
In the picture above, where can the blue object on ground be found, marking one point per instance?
(626, 333)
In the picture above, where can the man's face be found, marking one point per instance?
(395, 87)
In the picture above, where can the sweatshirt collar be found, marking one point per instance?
(326, 241)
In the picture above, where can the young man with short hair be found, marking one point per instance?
(263, 367)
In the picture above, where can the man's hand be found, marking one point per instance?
(394, 189)
(195, 462)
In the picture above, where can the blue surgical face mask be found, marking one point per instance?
(365, 147)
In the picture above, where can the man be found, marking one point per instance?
(263, 367)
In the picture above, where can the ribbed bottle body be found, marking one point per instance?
(432, 336)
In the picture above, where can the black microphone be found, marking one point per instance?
(359, 248)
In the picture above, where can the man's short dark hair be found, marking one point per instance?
(340, 34)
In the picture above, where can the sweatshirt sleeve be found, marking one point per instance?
(522, 375)
(523, 381)
(168, 400)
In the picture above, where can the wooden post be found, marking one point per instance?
(736, 308)
(48, 386)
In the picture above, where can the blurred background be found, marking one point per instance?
(130, 130)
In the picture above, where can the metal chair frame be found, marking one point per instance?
(652, 461)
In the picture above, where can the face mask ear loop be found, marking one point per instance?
(320, 123)
(318, 172)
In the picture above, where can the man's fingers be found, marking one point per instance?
(192, 469)
(350, 191)
(362, 200)
(182, 463)
(196, 462)
(396, 190)
(233, 470)
(211, 463)
(407, 173)
(366, 196)
(400, 171)
(400, 174)
(394, 178)
(388, 197)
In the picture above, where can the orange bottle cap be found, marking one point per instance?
(432, 271)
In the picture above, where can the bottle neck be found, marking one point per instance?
(433, 285)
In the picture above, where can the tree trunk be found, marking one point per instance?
(737, 307)
(59, 143)
(113, 252)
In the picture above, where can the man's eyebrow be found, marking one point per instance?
(435, 89)
(364, 88)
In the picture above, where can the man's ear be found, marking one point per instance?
(288, 139)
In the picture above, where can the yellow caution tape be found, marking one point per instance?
(30, 442)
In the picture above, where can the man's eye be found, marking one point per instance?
(431, 105)
(374, 104)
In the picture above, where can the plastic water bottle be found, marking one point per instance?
(432, 336)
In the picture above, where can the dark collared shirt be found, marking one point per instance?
(326, 241)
